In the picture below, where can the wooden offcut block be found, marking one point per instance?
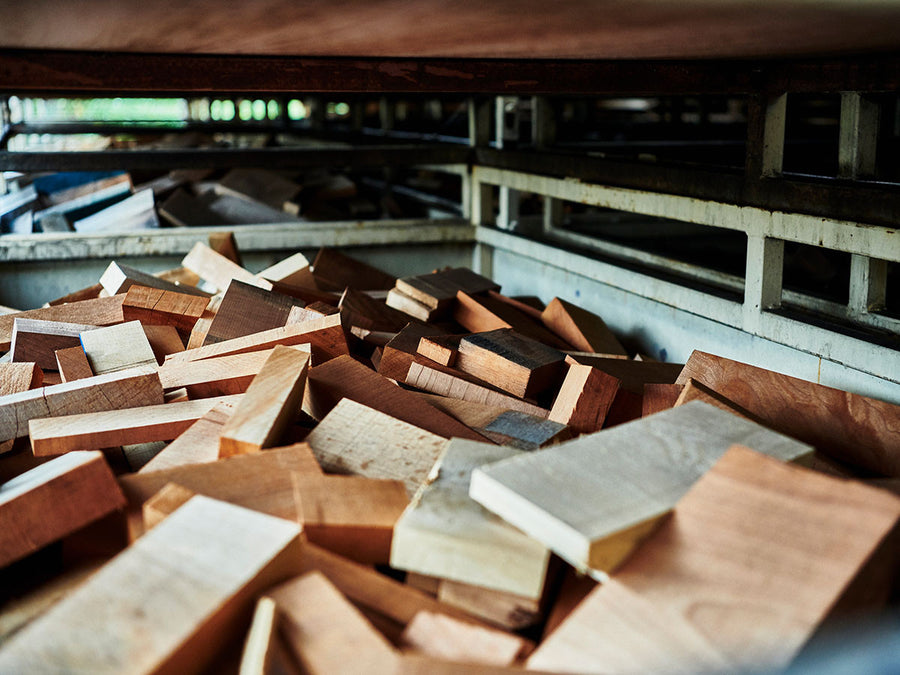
(72, 364)
(437, 382)
(216, 376)
(512, 612)
(696, 391)
(360, 310)
(164, 340)
(95, 312)
(441, 349)
(53, 500)
(118, 278)
(443, 637)
(271, 403)
(157, 307)
(18, 377)
(199, 443)
(350, 515)
(582, 329)
(444, 533)
(851, 428)
(326, 633)
(37, 341)
(482, 313)
(261, 644)
(177, 597)
(340, 271)
(164, 503)
(659, 397)
(293, 270)
(584, 399)
(345, 377)
(261, 481)
(356, 439)
(511, 362)
(119, 347)
(326, 337)
(105, 429)
(218, 270)
(113, 391)
(438, 289)
(260, 185)
(769, 581)
(594, 499)
(403, 303)
(247, 309)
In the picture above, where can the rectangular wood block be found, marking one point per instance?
(118, 278)
(176, 597)
(340, 271)
(113, 391)
(53, 500)
(512, 362)
(585, 398)
(36, 340)
(247, 309)
(199, 443)
(592, 500)
(117, 347)
(215, 376)
(438, 289)
(444, 533)
(18, 377)
(442, 637)
(219, 270)
(716, 590)
(105, 429)
(582, 329)
(95, 312)
(355, 439)
(155, 307)
(72, 364)
(271, 403)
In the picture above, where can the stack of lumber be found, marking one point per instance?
(323, 468)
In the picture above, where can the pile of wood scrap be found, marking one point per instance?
(322, 468)
(110, 201)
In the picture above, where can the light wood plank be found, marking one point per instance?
(113, 391)
(854, 429)
(216, 376)
(350, 515)
(260, 645)
(19, 377)
(197, 445)
(271, 403)
(53, 500)
(156, 307)
(177, 596)
(355, 439)
(442, 637)
(506, 610)
(164, 503)
(37, 341)
(293, 270)
(119, 347)
(584, 399)
(582, 329)
(698, 596)
(594, 499)
(95, 312)
(219, 270)
(118, 278)
(72, 364)
(95, 430)
(444, 533)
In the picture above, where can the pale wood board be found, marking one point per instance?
(594, 499)
(259, 647)
(164, 503)
(271, 403)
(113, 391)
(53, 500)
(506, 610)
(155, 306)
(177, 596)
(125, 426)
(94, 312)
(442, 637)
(18, 377)
(196, 445)
(714, 589)
(444, 533)
(214, 376)
(219, 270)
(293, 270)
(118, 278)
(117, 348)
(355, 439)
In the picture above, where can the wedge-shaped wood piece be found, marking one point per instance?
(437, 382)
(340, 271)
(261, 643)
(261, 481)
(360, 310)
(271, 403)
(481, 313)
(117, 348)
(157, 307)
(444, 533)
(511, 362)
(582, 329)
(96, 312)
(592, 500)
(350, 515)
(293, 270)
(345, 377)
(585, 398)
(854, 429)
(766, 590)
(72, 364)
(443, 637)
(263, 186)
(89, 431)
(632, 374)
(36, 340)
(325, 335)
(215, 377)
(196, 445)
(178, 596)
(509, 611)
(119, 278)
(314, 310)
(659, 397)
(53, 500)
(359, 440)
(219, 270)
(113, 391)
(247, 309)
(18, 377)
(164, 503)
(327, 633)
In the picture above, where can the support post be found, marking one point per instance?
(765, 136)
(543, 133)
(763, 278)
(508, 213)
